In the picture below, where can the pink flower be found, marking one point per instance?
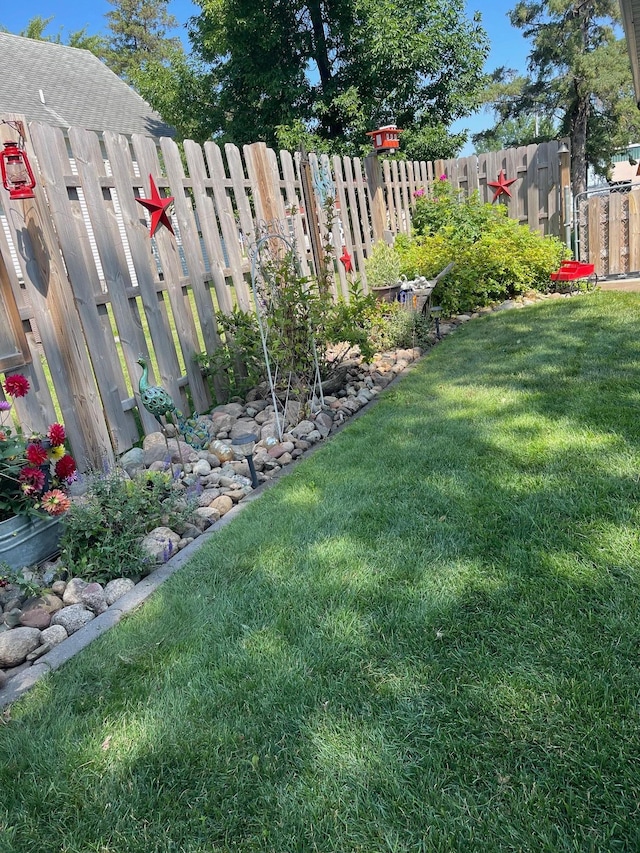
(55, 502)
(36, 454)
(443, 178)
(66, 467)
(31, 480)
(16, 385)
(56, 434)
(419, 193)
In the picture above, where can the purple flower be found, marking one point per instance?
(4, 406)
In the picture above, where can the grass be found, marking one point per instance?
(424, 639)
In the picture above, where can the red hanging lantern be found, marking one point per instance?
(17, 176)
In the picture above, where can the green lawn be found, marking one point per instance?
(426, 638)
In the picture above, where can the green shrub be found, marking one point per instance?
(103, 530)
(382, 267)
(238, 363)
(302, 322)
(392, 325)
(495, 257)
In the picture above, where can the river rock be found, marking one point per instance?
(93, 598)
(36, 617)
(223, 504)
(161, 544)
(132, 461)
(303, 429)
(73, 617)
(53, 635)
(116, 588)
(72, 591)
(202, 467)
(17, 644)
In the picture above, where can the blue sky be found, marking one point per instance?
(507, 44)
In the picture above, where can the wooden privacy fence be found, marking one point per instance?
(83, 285)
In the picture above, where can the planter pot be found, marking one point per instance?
(25, 541)
(386, 294)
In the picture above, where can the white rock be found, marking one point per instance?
(73, 618)
(54, 635)
(161, 543)
(116, 588)
(73, 590)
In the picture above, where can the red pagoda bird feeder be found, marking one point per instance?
(17, 175)
(385, 138)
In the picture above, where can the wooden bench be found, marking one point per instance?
(575, 271)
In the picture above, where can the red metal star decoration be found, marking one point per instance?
(501, 185)
(346, 260)
(157, 205)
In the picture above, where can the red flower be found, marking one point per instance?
(55, 502)
(36, 454)
(32, 480)
(16, 385)
(56, 434)
(65, 467)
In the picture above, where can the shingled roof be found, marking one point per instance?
(68, 87)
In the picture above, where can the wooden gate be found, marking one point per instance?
(607, 229)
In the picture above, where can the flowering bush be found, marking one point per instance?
(34, 469)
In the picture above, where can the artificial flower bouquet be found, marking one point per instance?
(35, 470)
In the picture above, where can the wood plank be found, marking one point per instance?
(364, 217)
(293, 196)
(614, 222)
(634, 231)
(405, 196)
(52, 154)
(14, 349)
(137, 235)
(343, 213)
(511, 171)
(357, 249)
(58, 322)
(189, 234)
(532, 213)
(241, 189)
(146, 154)
(341, 286)
(212, 226)
(595, 234)
(266, 185)
(245, 224)
(91, 170)
(393, 202)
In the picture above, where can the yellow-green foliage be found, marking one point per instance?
(495, 257)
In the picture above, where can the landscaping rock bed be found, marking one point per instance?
(31, 625)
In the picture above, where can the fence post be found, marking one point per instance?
(309, 200)
(378, 208)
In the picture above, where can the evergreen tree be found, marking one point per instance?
(139, 33)
(580, 79)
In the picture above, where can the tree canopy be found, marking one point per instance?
(337, 68)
